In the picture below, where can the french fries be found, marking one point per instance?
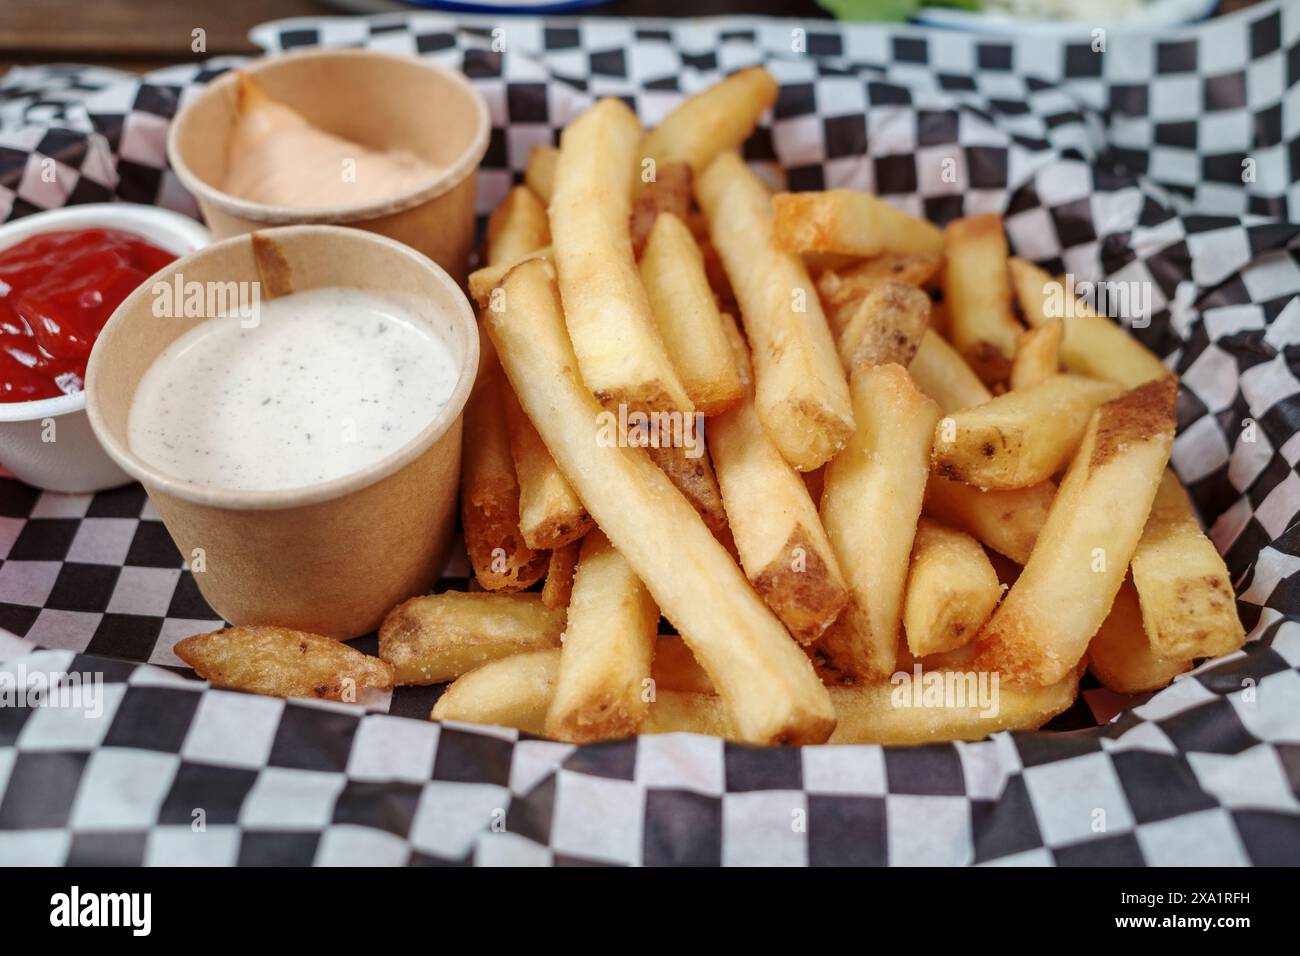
(600, 692)
(849, 223)
(800, 393)
(977, 292)
(1022, 437)
(517, 227)
(1006, 521)
(514, 692)
(869, 507)
(438, 637)
(770, 688)
(782, 545)
(550, 514)
(951, 590)
(676, 669)
(672, 271)
(669, 192)
(1042, 628)
(712, 122)
(1037, 355)
(539, 173)
(943, 374)
(281, 662)
(1188, 603)
(692, 474)
(842, 289)
(483, 281)
(558, 586)
(1091, 344)
(619, 351)
(1120, 655)
(887, 326)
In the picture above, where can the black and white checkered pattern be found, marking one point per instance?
(1116, 164)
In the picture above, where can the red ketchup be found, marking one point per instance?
(57, 290)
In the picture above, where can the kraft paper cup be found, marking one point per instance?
(332, 557)
(380, 100)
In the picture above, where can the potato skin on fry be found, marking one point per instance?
(280, 662)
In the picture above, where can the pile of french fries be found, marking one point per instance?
(911, 466)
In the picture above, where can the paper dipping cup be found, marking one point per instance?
(332, 557)
(380, 100)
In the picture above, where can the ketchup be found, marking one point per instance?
(57, 290)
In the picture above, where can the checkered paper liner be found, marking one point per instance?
(1125, 165)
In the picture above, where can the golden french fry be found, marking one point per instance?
(672, 271)
(977, 292)
(1038, 355)
(1006, 521)
(513, 692)
(713, 121)
(850, 223)
(870, 507)
(951, 589)
(801, 394)
(686, 712)
(846, 287)
(620, 354)
(559, 575)
(280, 662)
(676, 669)
(942, 374)
(438, 637)
(1092, 344)
(1085, 547)
(609, 640)
(887, 326)
(1189, 607)
(483, 281)
(516, 228)
(692, 474)
(539, 173)
(769, 686)
(779, 536)
(1021, 437)
(669, 192)
(550, 514)
(1120, 655)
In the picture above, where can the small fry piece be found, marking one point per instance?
(942, 374)
(846, 287)
(669, 192)
(977, 292)
(712, 122)
(1038, 355)
(517, 227)
(550, 514)
(1084, 549)
(539, 173)
(779, 536)
(692, 474)
(608, 645)
(887, 326)
(951, 590)
(514, 691)
(686, 314)
(558, 587)
(1006, 521)
(850, 223)
(676, 669)
(870, 507)
(1022, 437)
(438, 637)
(620, 354)
(801, 394)
(280, 662)
(1189, 607)
(483, 281)
(1092, 344)
(1120, 655)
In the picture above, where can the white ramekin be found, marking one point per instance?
(74, 460)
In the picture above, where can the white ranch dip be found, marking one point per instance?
(328, 382)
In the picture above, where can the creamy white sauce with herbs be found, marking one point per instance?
(326, 383)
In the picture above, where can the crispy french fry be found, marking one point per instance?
(516, 228)
(692, 474)
(1021, 437)
(550, 514)
(1189, 607)
(608, 645)
(712, 122)
(942, 374)
(846, 287)
(483, 281)
(850, 223)
(620, 354)
(280, 662)
(951, 589)
(801, 394)
(669, 192)
(1092, 344)
(539, 173)
(769, 687)
(513, 691)
(438, 637)
(1037, 355)
(686, 712)
(1006, 521)
(779, 536)
(1120, 655)
(977, 292)
(672, 271)
(676, 669)
(869, 508)
(887, 326)
(558, 587)
(1085, 547)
